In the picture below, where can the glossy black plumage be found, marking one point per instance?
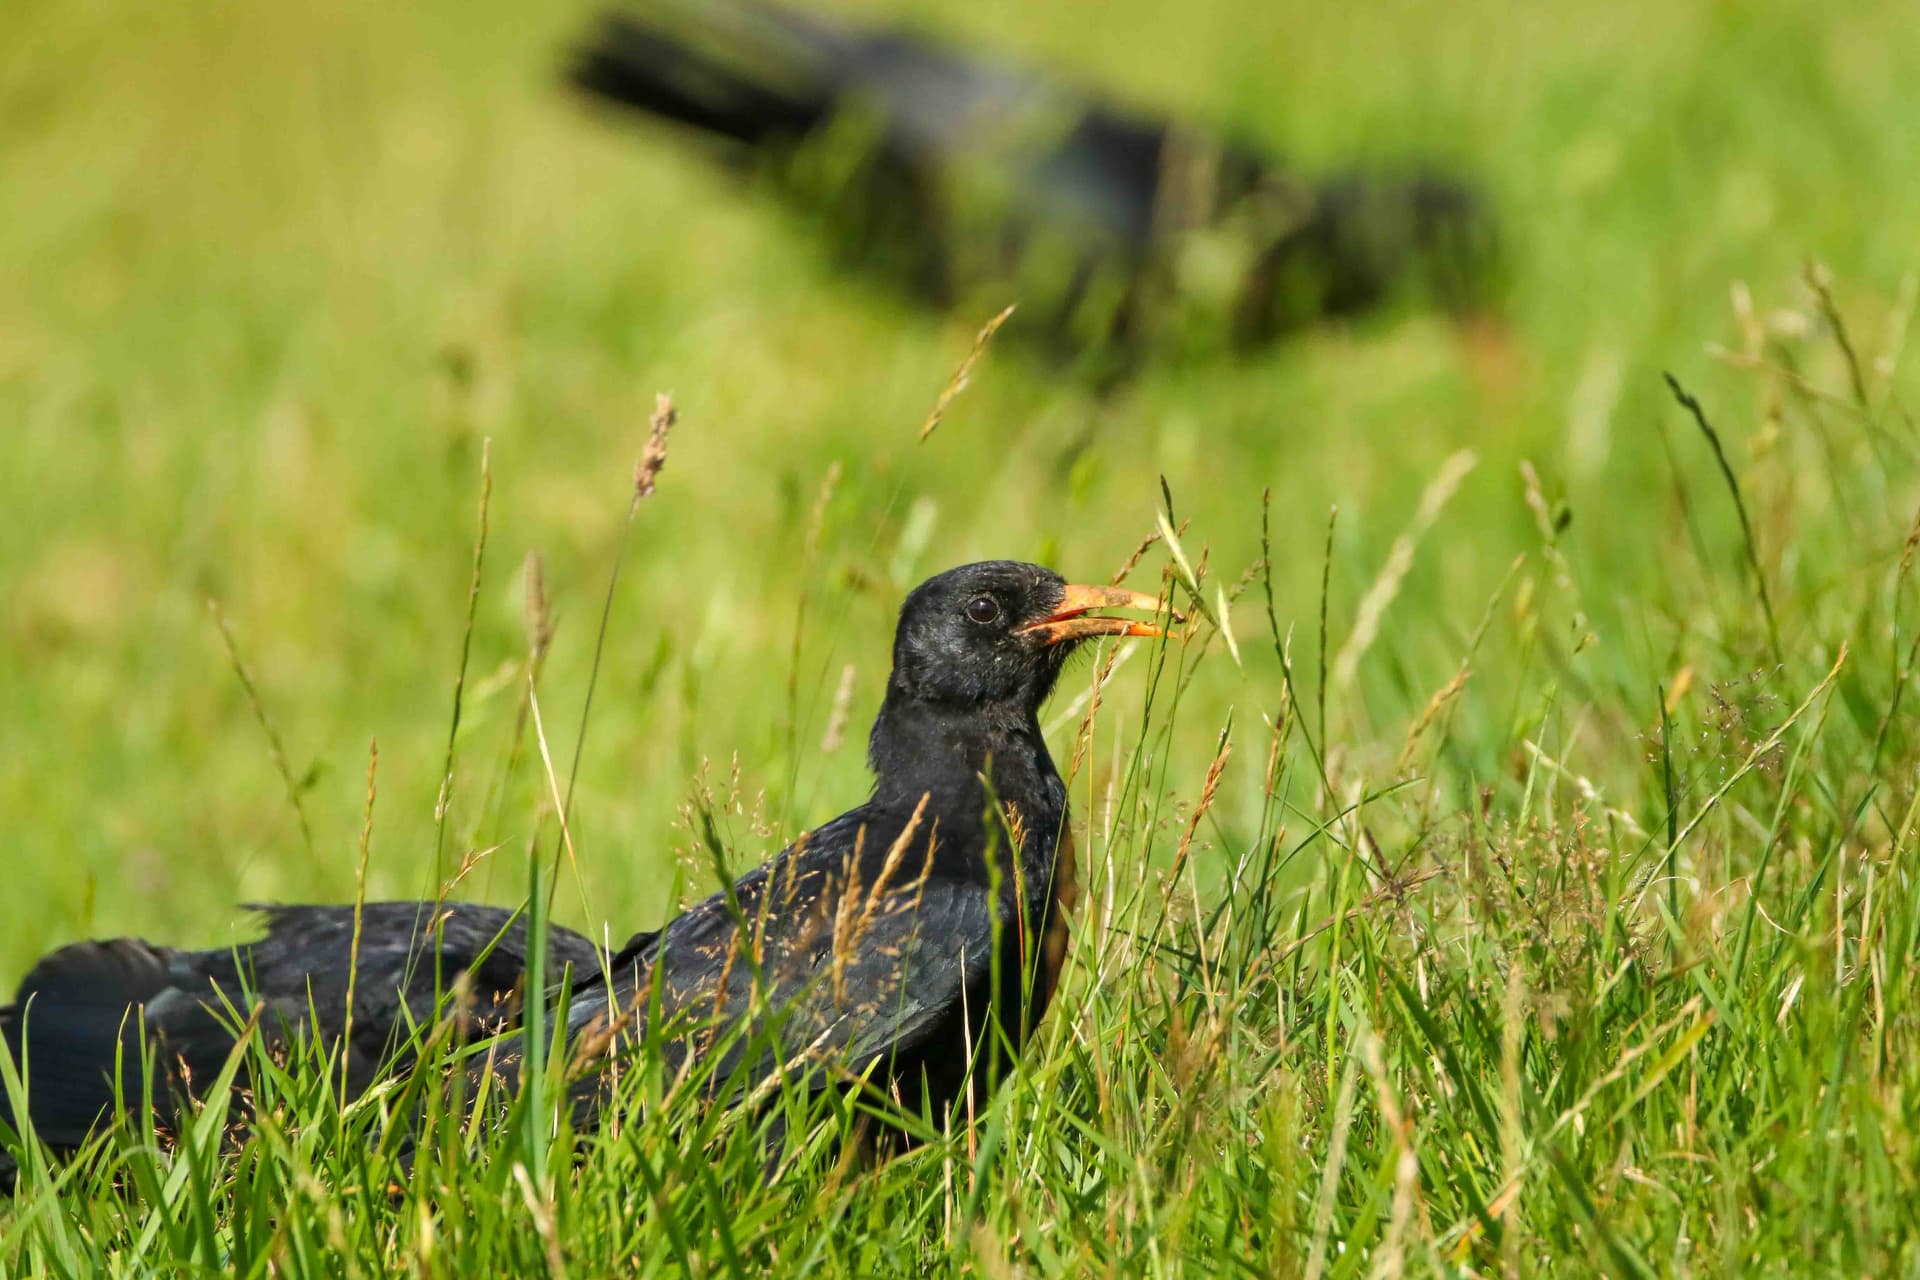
(893, 940)
(857, 964)
(878, 939)
(82, 1003)
(976, 182)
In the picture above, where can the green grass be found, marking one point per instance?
(1583, 945)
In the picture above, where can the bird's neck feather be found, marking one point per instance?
(921, 747)
(950, 757)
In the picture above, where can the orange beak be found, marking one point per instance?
(1070, 619)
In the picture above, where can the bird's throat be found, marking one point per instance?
(954, 755)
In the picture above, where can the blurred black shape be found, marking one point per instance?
(975, 183)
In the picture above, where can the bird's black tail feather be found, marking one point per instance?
(733, 70)
(75, 1011)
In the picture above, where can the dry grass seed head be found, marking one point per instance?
(653, 456)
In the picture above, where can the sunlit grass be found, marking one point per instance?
(1547, 913)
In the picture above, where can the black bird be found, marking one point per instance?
(975, 183)
(928, 922)
(896, 939)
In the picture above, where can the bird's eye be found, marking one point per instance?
(983, 609)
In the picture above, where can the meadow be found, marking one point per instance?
(1511, 877)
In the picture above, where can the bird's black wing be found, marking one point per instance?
(817, 958)
(67, 1025)
(303, 967)
(765, 75)
(84, 1004)
(719, 69)
(635, 950)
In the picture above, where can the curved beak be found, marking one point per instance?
(1072, 618)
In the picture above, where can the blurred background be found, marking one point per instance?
(272, 276)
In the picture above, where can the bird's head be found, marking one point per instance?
(999, 631)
